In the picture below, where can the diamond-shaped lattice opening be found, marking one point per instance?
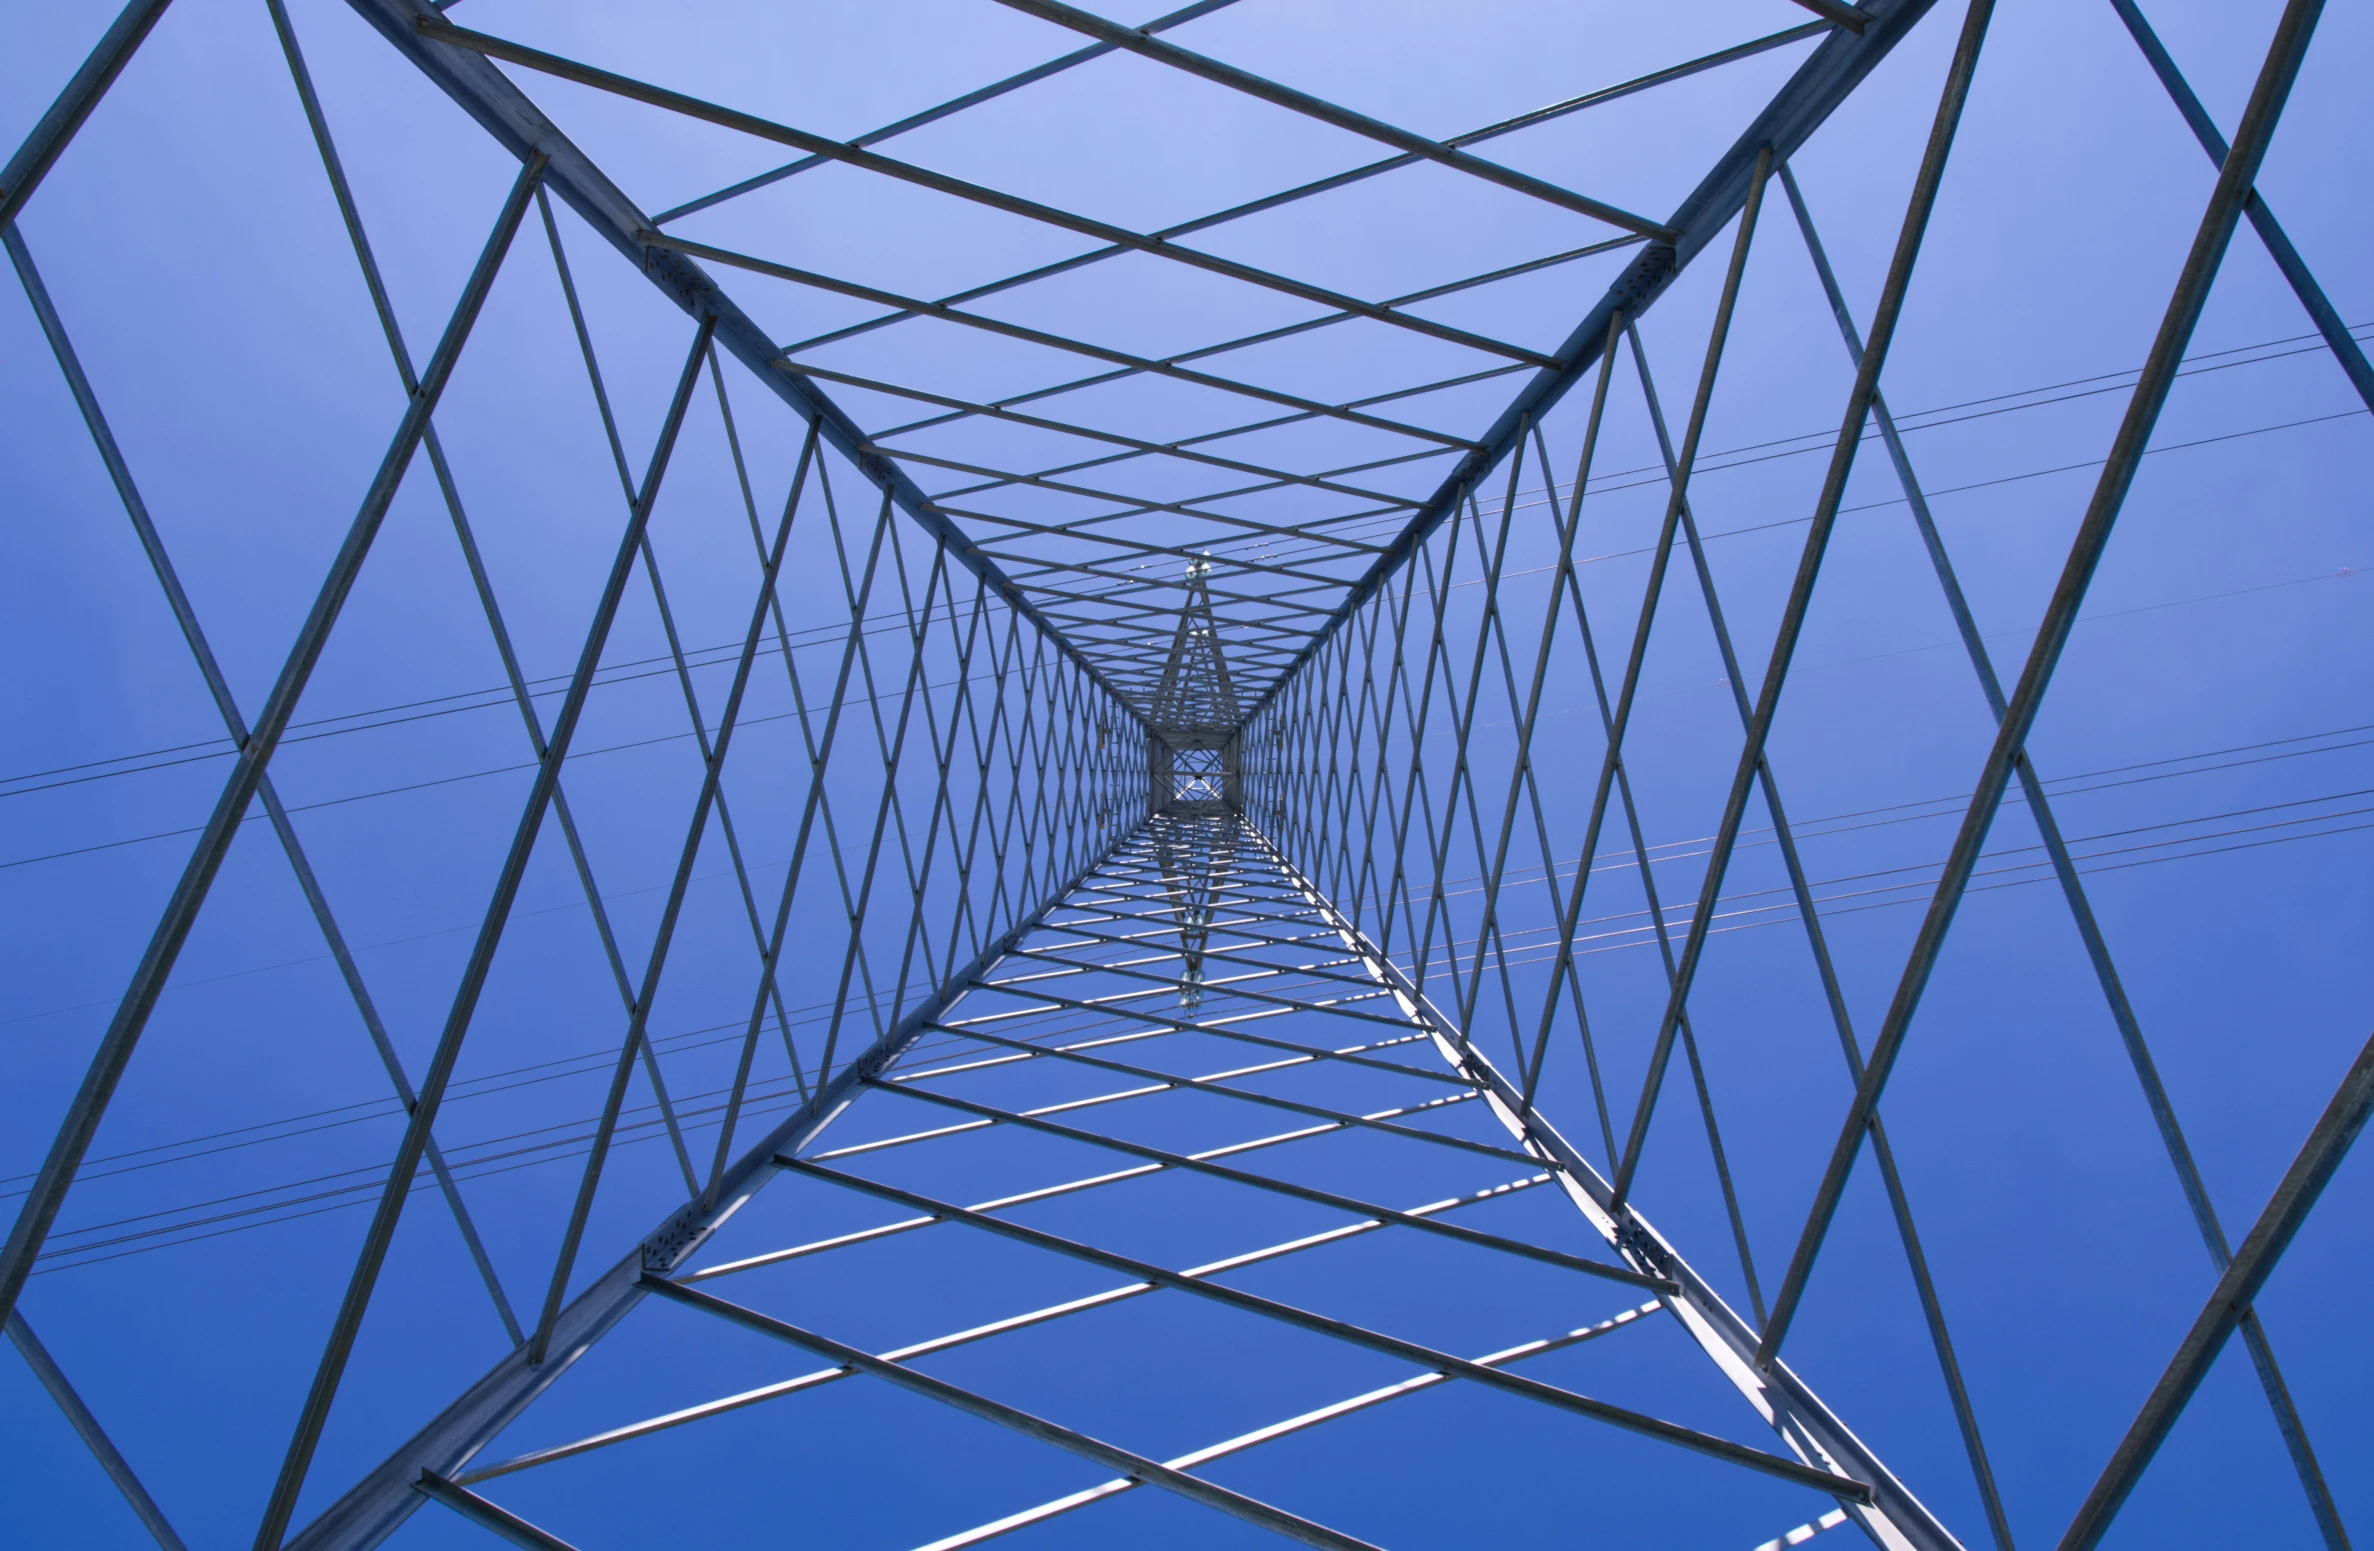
(1132, 656)
(1197, 776)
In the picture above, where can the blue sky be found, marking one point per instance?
(2212, 707)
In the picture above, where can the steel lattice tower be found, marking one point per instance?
(1090, 811)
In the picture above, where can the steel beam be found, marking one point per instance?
(94, 1437)
(751, 124)
(2089, 930)
(377, 1239)
(1835, 69)
(520, 127)
(381, 1501)
(1193, 1488)
(1199, 1085)
(1042, 1512)
(1837, 1484)
(1471, 1237)
(55, 129)
(1140, 41)
(487, 1516)
(1926, 182)
(933, 115)
(119, 473)
(2319, 1157)
(2210, 242)
(1893, 1517)
(90, 1102)
(2279, 245)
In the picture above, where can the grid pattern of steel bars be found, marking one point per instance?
(1277, 933)
(1327, 765)
(1099, 608)
(1193, 758)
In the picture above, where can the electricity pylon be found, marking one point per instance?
(1157, 1043)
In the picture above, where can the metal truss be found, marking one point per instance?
(1179, 899)
(1082, 991)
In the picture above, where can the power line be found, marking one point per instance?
(471, 1161)
(497, 696)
